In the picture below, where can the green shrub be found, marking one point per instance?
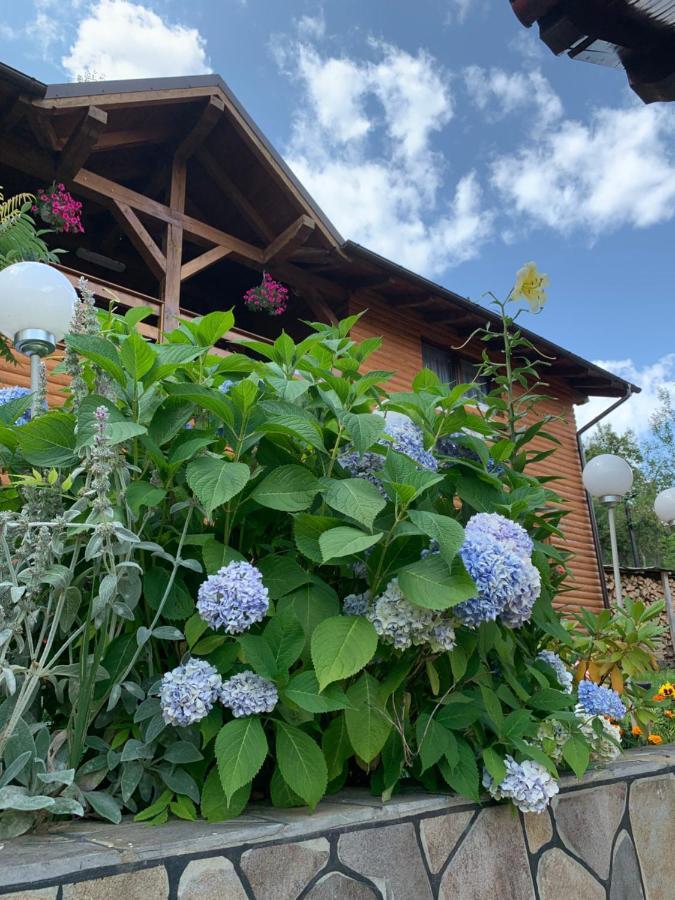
(325, 546)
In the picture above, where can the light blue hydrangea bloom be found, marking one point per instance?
(234, 598)
(528, 785)
(248, 694)
(562, 673)
(188, 692)
(356, 604)
(7, 394)
(405, 437)
(402, 624)
(225, 386)
(496, 555)
(598, 700)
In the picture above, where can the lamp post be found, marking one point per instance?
(664, 507)
(609, 478)
(36, 306)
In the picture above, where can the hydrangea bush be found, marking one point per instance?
(226, 576)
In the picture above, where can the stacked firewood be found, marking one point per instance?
(647, 587)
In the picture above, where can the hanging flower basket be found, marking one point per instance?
(269, 296)
(59, 209)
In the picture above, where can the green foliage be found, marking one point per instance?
(120, 505)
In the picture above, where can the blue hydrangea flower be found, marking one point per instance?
(363, 465)
(598, 700)
(408, 438)
(448, 445)
(496, 555)
(356, 604)
(248, 694)
(225, 386)
(509, 535)
(528, 785)
(188, 692)
(7, 394)
(234, 598)
(562, 673)
(432, 550)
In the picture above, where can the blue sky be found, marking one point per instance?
(439, 133)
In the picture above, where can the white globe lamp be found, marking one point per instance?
(36, 306)
(609, 478)
(664, 506)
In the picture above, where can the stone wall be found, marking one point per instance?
(608, 836)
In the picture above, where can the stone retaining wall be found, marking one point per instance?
(608, 836)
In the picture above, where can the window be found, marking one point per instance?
(454, 368)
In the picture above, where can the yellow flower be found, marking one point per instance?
(636, 730)
(530, 285)
(655, 739)
(667, 689)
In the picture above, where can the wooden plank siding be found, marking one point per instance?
(401, 352)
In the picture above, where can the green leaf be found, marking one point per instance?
(550, 700)
(430, 583)
(433, 741)
(282, 575)
(285, 637)
(240, 750)
(463, 777)
(104, 805)
(308, 529)
(493, 708)
(216, 555)
(576, 754)
(364, 429)
(303, 690)
(311, 604)
(494, 764)
(184, 808)
(281, 795)
(118, 432)
(259, 655)
(345, 541)
(179, 603)
(100, 351)
(215, 481)
(356, 498)
(287, 488)
(155, 808)
(142, 493)
(458, 662)
(446, 531)
(169, 358)
(49, 440)
(182, 752)
(212, 327)
(458, 713)
(367, 724)
(301, 763)
(215, 806)
(341, 646)
(137, 356)
(336, 746)
(188, 444)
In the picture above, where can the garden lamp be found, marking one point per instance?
(36, 306)
(609, 478)
(664, 507)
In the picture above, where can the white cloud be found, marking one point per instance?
(500, 93)
(459, 10)
(635, 412)
(312, 27)
(121, 39)
(617, 170)
(362, 145)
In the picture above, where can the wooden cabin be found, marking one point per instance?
(186, 202)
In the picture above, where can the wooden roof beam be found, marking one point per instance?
(208, 119)
(225, 184)
(189, 269)
(81, 142)
(290, 239)
(140, 237)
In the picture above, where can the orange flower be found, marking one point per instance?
(658, 697)
(636, 730)
(669, 713)
(655, 739)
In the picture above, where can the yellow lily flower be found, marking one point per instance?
(530, 285)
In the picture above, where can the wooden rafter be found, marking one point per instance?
(140, 237)
(81, 142)
(174, 247)
(191, 268)
(290, 239)
(208, 119)
(225, 184)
